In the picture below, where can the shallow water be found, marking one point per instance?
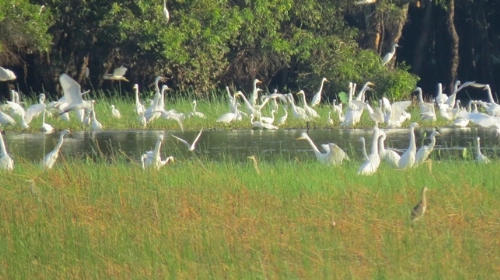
(239, 144)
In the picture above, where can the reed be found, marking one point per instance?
(206, 219)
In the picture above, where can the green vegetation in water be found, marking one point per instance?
(212, 108)
(297, 219)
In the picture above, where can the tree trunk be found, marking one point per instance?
(420, 54)
(454, 44)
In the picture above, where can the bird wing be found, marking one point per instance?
(197, 137)
(71, 89)
(182, 140)
(481, 119)
(120, 71)
(398, 108)
(338, 151)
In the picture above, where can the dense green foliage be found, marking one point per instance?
(209, 44)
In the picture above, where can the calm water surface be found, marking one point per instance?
(239, 144)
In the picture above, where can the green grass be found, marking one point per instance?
(204, 219)
(212, 107)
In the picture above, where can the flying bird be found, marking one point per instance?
(118, 74)
(192, 146)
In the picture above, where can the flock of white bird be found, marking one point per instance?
(393, 115)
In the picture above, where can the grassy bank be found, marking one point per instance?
(196, 219)
(213, 108)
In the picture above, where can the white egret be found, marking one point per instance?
(6, 75)
(6, 119)
(172, 115)
(297, 112)
(333, 155)
(115, 113)
(142, 120)
(16, 109)
(388, 155)
(440, 96)
(143, 160)
(14, 95)
(191, 146)
(36, 109)
(361, 95)
(118, 74)
(409, 156)
(46, 128)
(317, 97)
(274, 97)
(139, 107)
(427, 112)
(336, 108)
(353, 114)
(227, 117)
(50, 159)
(72, 95)
(255, 92)
(250, 108)
(283, 118)
(261, 125)
(363, 148)
(371, 164)
(311, 113)
(480, 158)
(424, 151)
(268, 120)
(396, 113)
(154, 111)
(153, 158)
(6, 161)
(329, 120)
(96, 125)
(166, 14)
(388, 56)
(376, 115)
(196, 113)
(87, 120)
(365, 2)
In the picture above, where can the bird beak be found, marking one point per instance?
(301, 138)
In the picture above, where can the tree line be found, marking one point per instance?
(290, 45)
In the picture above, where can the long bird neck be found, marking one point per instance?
(420, 97)
(433, 141)
(413, 146)
(316, 151)
(321, 86)
(478, 148)
(490, 95)
(381, 145)
(59, 144)
(156, 154)
(375, 143)
(364, 148)
(304, 99)
(3, 151)
(351, 92)
(137, 96)
(440, 89)
(424, 198)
